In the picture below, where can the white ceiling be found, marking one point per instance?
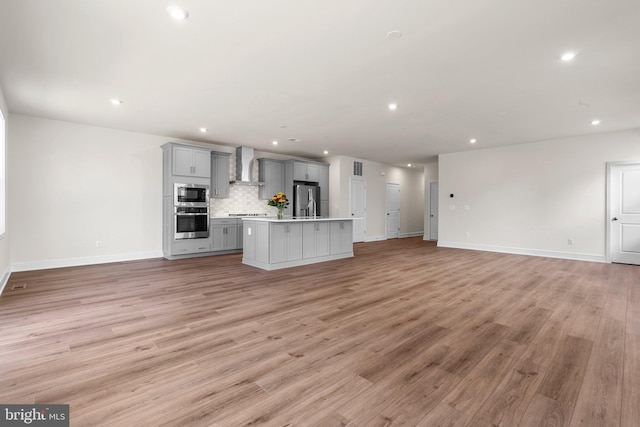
(326, 70)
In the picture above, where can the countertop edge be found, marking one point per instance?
(273, 219)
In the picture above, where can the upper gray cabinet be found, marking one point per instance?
(191, 161)
(305, 171)
(271, 172)
(219, 175)
(316, 172)
(323, 181)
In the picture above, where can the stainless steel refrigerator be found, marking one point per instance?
(306, 200)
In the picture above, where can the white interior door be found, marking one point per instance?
(393, 210)
(358, 207)
(624, 213)
(433, 210)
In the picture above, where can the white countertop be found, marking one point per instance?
(292, 219)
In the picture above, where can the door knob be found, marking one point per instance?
(615, 218)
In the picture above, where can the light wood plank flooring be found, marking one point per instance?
(405, 334)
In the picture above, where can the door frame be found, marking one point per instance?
(431, 210)
(386, 206)
(609, 195)
(364, 201)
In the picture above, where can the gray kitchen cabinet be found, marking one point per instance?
(285, 242)
(271, 172)
(190, 246)
(324, 190)
(298, 170)
(305, 171)
(255, 241)
(191, 161)
(224, 234)
(341, 237)
(315, 239)
(219, 175)
(273, 244)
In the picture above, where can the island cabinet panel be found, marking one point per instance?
(191, 161)
(272, 244)
(315, 239)
(285, 242)
(341, 237)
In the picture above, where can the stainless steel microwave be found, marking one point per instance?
(190, 195)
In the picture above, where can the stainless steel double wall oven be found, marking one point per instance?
(191, 211)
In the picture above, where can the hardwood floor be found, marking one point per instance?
(405, 334)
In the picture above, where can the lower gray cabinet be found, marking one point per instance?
(341, 237)
(226, 234)
(190, 246)
(285, 242)
(315, 239)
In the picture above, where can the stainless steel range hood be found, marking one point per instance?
(244, 167)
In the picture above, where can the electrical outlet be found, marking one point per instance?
(98, 243)
(468, 234)
(570, 242)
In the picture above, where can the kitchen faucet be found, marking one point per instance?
(311, 204)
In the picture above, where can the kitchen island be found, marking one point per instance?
(271, 243)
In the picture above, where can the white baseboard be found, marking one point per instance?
(523, 251)
(74, 262)
(5, 279)
(375, 238)
(412, 234)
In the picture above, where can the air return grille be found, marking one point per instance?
(357, 168)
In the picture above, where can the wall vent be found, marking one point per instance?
(357, 168)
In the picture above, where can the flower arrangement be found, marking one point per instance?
(280, 201)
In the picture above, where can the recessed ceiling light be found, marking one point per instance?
(326, 152)
(568, 56)
(393, 106)
(177, 12)
(204, 130)
(409, 165)
(274, 142)
(394, 34)
(116, 101)
(473, 140)
(595, 122)
(283, 126)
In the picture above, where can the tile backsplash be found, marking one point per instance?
(242, 198)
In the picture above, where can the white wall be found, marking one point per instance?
(5, 258)
(532, 198)
(411, 195)
(72, 185)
